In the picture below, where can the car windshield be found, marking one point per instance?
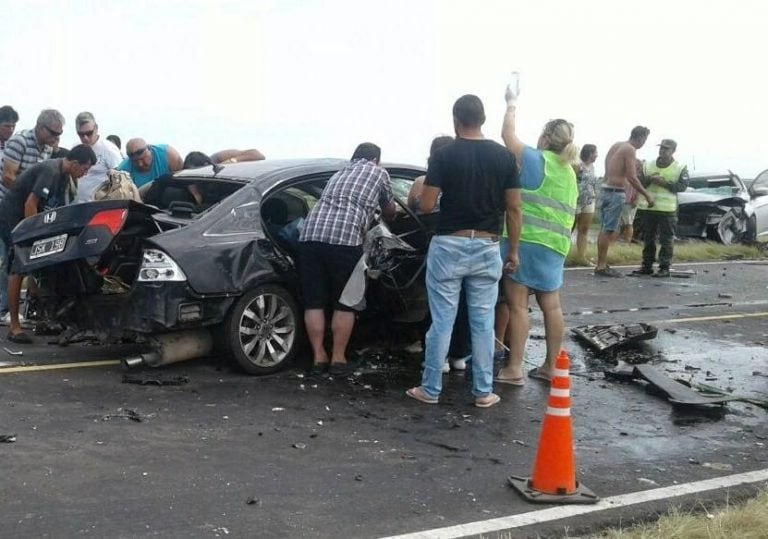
(723, 185)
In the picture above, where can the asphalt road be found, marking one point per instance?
(286, 456)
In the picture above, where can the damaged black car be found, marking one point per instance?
(220, 272)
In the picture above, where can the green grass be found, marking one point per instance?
(690, 251)
(747, 521)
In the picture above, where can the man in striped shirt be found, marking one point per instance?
(331, 244)
(31, 146)
(21, 152)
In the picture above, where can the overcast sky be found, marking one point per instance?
(314, 78)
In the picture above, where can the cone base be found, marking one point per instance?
(582, 494)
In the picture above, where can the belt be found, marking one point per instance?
(472, 234)
(616, 189)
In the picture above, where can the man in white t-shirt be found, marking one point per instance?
(107, 155)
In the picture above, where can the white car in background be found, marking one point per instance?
(722, 208)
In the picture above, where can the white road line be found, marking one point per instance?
(565, 511)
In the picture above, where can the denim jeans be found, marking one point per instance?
(454, 262)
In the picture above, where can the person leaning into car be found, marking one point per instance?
(330, 246)
(41, 187)
(478, 181)
(664, 178)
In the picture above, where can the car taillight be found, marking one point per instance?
(112, 219)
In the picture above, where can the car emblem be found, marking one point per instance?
(49, 217)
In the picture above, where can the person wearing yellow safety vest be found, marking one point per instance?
(549, 195)
(663, 178)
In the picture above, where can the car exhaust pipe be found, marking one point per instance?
(172, 348)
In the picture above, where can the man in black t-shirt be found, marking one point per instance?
(42, 187)
(479, 182)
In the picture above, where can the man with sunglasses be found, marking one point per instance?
(107, 156)
(147, 162)
(31, 146)
(20, 152)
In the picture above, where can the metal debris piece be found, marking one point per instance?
(14, 352)
(682, 274)
(7, 438)
(299, 445)
(607, 337)
(126, 413)
(676, 392)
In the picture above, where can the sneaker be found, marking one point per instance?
(607, 272)
(457, 364)
(643, 271)
(661, 273)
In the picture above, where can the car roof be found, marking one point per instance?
(281, 168)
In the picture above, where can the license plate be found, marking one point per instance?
(48, 246)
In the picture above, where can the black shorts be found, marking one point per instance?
(324, 270)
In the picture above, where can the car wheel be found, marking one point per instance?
(261, 330)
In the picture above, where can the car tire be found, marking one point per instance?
(751, 234)
(261, 331)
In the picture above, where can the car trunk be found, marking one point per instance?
(82, 250)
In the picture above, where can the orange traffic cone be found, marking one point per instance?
(554, 477)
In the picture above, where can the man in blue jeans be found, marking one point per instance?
(478, 181)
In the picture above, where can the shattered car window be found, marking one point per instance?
(242, 218)
(721, 186)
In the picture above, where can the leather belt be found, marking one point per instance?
(617, 189)
(472, 234)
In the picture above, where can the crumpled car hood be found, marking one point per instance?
(709, 198)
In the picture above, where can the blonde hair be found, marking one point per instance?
(559, 134)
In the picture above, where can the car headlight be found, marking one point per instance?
(156, 266)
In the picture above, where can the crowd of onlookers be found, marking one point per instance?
(507, 214)
(38, 175)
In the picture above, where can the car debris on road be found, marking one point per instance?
(603, 338)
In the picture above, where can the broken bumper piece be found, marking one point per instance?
(607, 337)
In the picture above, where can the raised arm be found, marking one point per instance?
(509, 135)
(508, 129)
(236, 156)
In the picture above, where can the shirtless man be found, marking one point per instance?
(620, 173)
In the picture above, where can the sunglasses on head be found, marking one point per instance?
(137, 153)
(82, 134)
(52, 132)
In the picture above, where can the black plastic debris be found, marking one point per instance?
(7, 438)
(152, 379)
(675, 392)
(607, 337)
(125, 413)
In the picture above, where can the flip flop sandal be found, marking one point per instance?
(418, 394)
(487, 401)
(20, 338)
(536, 373)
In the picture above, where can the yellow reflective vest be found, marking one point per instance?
(549, 211)
(664, 199)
